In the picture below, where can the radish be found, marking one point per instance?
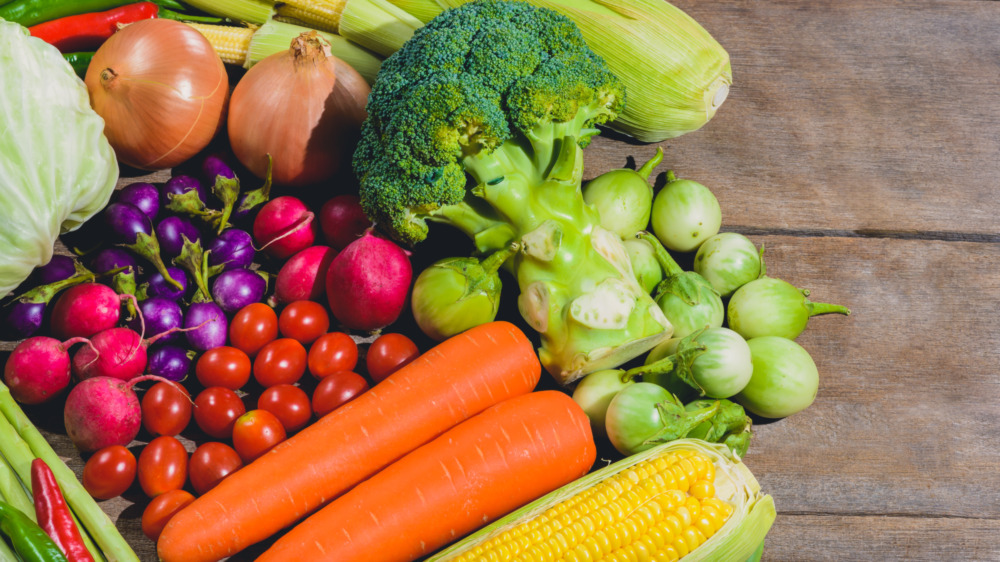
(103, 411)
(86, 309)
(367, 283)
(119, 353)
(342, 220)
(38, 369)
(284, 226)
(303, 277)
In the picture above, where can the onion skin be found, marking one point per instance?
(302, 106)
(162, 91)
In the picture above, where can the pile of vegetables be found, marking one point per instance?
(233, 337)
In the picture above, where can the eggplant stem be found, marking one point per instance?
(651, 164)
(817, 308)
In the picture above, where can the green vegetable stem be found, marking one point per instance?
(28, 539)
(687, 299)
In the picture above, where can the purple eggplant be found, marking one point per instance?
(207, 324)
(233, 249)
(236, 288)
(134, 229)
(172, 231)
(161, 315)
(112, 258)
(157, 286)
(144, 196)
(170, 362)
(59, 268)
(179, 185)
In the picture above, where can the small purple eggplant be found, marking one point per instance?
(170, 362)
(233, 249)
(207, 326)
(59, 268)
(172, 231)
(144, 196)
(161, 315)
(134, 229)
(157, 286)
(236, 288)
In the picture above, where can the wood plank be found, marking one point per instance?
(813, 538)
(853, 116)
(898, 441)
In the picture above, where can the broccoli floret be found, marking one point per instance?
(479, 122)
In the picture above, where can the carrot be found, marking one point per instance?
(483, 468)
(450, 383)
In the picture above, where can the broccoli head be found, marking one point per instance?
(479, 121)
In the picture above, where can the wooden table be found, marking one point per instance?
(861, 146)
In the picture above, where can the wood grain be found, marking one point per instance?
(867, 118)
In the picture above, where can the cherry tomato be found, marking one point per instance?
(388, 353)
(289, 403)
(109, 472)
(332, 352)
(210, 463)
(163, 465)
(224, 366)
(216, 409)
(253, 327)
(159, 511)
(255, 433)
(304, 321)
(336, 390)
(166, 409)
(282, 361)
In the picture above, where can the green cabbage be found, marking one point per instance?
(56, 167)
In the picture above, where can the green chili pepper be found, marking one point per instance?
(79, 61)
(28, 539)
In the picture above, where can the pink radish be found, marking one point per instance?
(342, 220)
(118, 353)
(38, 369)
(368, 282)
(284, 226)
(303, 277)
(103, 411)
(86, 309)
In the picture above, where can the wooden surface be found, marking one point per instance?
(861, 146)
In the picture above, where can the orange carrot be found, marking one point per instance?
(456, 380)
(480, 470)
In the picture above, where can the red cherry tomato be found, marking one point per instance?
(216, 409)
(109, 472)
(336, 390)
(159, 511)
(304, 321)
(332, 352)
(388, 353)
(253, 327)
(289, 403)
(166, 409)
(282, 361)
(224, 366)
(163, 466)
(255, 433)
(210, 463)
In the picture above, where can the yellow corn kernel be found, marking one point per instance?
(230, 43)
(320, 14)
(702, 489)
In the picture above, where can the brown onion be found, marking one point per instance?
(302, 106)
(161, 90)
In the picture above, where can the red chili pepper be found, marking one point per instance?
(86, 32)
(53, 514)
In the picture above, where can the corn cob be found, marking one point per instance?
(230, 43)
(684, 499)
(323, 15)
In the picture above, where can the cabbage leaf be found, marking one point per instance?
(56, 167)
